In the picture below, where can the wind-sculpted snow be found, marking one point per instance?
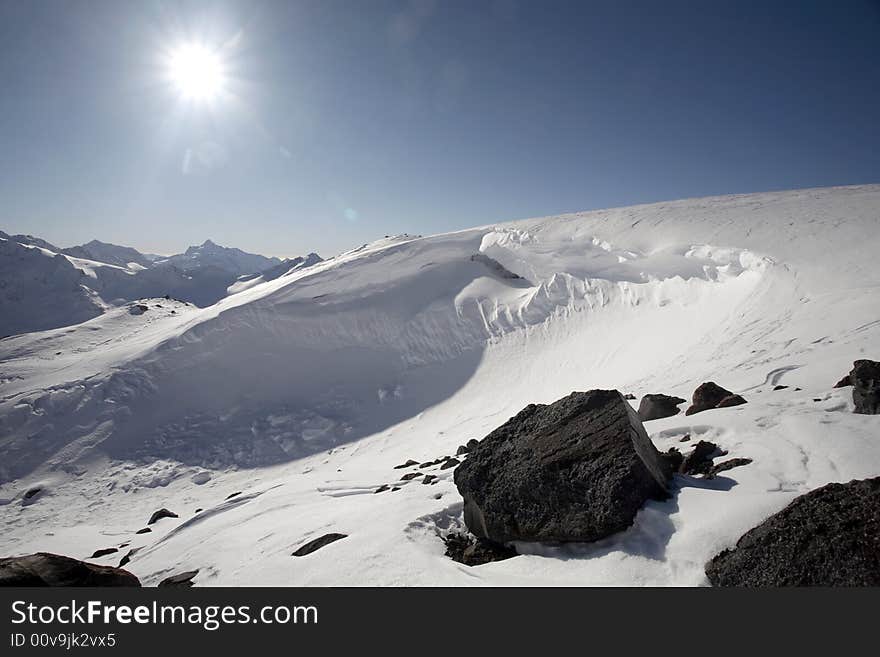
(311, 386)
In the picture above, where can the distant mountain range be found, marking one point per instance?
(43, 286)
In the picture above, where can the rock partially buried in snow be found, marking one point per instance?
(576, 470)
(45, 569)
(699, 461)
(654, 407)
(828, 537)
(865, 378)
(181, 580)
(318, 543)
(710, 395)
(161, 513)
(97, 554)
(472, 551)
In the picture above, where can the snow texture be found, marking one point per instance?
(303, 392)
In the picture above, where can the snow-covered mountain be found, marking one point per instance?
(273, 416)
(44, 286)
(209, 254)
(112, 254)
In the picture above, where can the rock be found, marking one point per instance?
(182, 580)
(654, 407)
(410, 475)
(844, 382)
(32, 492)
(865, 377)
(231, 495)
(45, 569)
(462, 449)
(729, 464)
(394, 488)
(137, 309)
(775, 388)
(408, 464)
(161, 513)
(699, 461)
(674, 458)
(429, 479)
(731, 400)
(127, 557)
(707, 396)
(145, 530)
(827, 537)
(97, 554)
(471, 444)
(576, 470)
(685, 438)
(318, 543)
(629, 396)
(449, 463)
(382, 488)
(472, 551)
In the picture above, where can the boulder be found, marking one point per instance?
(654, 407)
(145, 530)
(865, 377)
(827, 537)
(408, 464)
(674, 458)
(318, 543)
(45, 569)
(450, 463)
(576, 470)
(844, 382)
(710, 395)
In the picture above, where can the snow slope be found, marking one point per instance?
(301, 393)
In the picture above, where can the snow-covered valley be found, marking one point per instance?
(279, 411)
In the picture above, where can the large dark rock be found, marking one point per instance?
(576, 470)
(731, 400)
(710, 395)
(865, 378)
(654, 407)
(45, 569)
(828, 537)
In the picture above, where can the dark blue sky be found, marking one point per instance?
(346, 121)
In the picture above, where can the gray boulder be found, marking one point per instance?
(828, 537)
(45, 569)
(654, 407)
(576, 470)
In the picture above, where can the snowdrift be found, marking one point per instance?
(303, 392)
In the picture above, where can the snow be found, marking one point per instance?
(303, 392)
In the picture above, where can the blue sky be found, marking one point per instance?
(346, 121)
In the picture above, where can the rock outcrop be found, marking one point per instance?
(828, 537)
(576, 470)
(654, 407)
(45, 569)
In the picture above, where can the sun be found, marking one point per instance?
(197, 72)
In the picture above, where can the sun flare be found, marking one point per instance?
(197, 72)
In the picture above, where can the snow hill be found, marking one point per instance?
(271, 417)
(44, 287)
